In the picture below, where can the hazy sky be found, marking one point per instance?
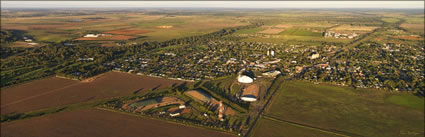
(215, 4)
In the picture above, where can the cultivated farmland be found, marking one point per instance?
(112, 37)
(56, 28)
(272, 128)
(94, 122)
(127, 32)
(272, 31)
(353, 28)
(54, 91)
(343, 111)
(414, 27)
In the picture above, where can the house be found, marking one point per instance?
(315, 55)
(91, 36)
(273, 73)
(174, 114)
(86, 59)
(32, 44)
(273, 61)
(170, 54)
(299, 69)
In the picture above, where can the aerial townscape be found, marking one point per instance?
(213, 72)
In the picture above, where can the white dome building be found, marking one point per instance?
(245, 79)
(249, 98)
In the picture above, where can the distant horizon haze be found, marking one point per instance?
(216, 4)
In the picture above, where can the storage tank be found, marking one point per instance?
(245, 79)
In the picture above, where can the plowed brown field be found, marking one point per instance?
(101, 123)
(52, 92)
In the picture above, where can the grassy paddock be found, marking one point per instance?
(407, 100)
(269, 128)
(361, 112)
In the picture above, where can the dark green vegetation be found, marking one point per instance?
(29, 64)
(7, 37)
(336, 111)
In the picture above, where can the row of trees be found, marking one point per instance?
(9, 36)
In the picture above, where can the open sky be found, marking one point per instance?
(214, 4)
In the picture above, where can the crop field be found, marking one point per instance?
(291, 39)
(410, 37)
(390, 20)
(414, 27)
(345, 111)
(248, 31)
(397, 37)
(271, 31)
(308, 33)
(415, 19)
(357, 29)
(321, 25)
(270, 128)
(51, 92)
(93, 122)
(55, 28)
(301, 32)
(112, 37)
(127, 32)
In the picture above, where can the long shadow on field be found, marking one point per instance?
(155, 88)
(90, 98)
(182, 87)
(137, 91)
(17, 116)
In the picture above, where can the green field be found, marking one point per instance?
(294, 35)
(346, 111)
(407, 100)
(270, 128)
(301, 32)
(249, 31)
(390, 20)
(414, 20)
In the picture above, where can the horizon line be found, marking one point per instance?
(215, 4)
